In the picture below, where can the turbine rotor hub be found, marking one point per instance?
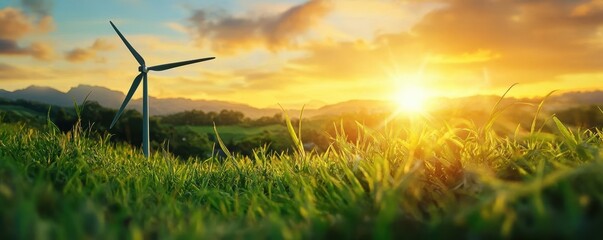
(143, 69)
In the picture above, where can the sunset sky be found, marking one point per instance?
(294, 52)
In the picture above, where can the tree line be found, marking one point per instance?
(166, 132)
(224, 117)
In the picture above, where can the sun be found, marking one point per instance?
(412, 99)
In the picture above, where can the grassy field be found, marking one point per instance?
(430, 179)
(20, 111)
(237, 132)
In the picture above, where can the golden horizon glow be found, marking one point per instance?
(412, 99)
(293, 52)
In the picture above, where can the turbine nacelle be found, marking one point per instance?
(143, 69)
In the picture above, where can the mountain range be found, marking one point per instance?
(163, 106)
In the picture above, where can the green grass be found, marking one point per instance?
(21, 111)
(428, 180)
(237, 132)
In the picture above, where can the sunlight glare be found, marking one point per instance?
(412, 99)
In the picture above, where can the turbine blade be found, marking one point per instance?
(128, 97)
(132, 50)
(178, 64)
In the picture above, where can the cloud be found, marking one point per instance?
(535, 40)
(342, 61)
(41, 51)
(11, 47)
(512, 41)
(38, 50)
(101, 44)
(11, 73)
(8, 72)
(586, 9)
(229, 34)
(294, 21)
(15, 25)
(40, 8)
(79, 55)
(45, 24)
(91, 52)
(464, 58)
(177, 27)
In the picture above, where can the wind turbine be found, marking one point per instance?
(143, 69)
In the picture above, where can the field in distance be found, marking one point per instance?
(231, 133)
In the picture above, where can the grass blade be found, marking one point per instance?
(221, 143)
(565, 132)
(538, 111)
(296, 140)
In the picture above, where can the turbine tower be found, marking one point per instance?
(143, 69)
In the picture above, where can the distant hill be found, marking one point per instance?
(580, 98)
(364, 106)
(40, 94)
(162, 106)
(113, 99)
(104, 96)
